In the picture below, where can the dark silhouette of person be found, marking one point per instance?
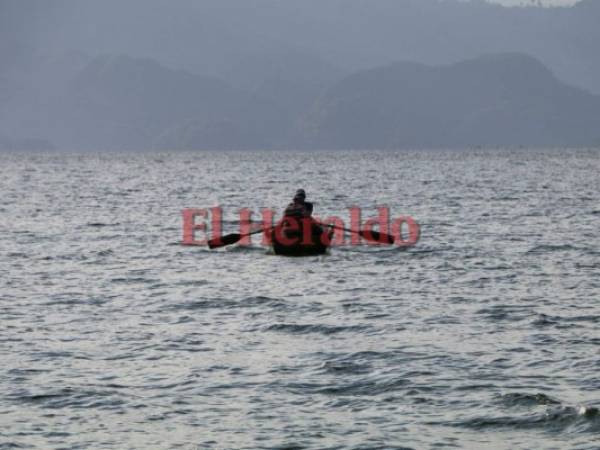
(299, 207)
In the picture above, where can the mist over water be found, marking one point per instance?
(484, 335)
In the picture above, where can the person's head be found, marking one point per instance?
(300, 196)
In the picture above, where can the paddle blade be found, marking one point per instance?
(376, 236)
(224, 241)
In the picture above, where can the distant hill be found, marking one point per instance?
(267, 39)
(139, 74)
(265, 118)
(493, 100)
(118, 102)
(121, 102)
(124, 102)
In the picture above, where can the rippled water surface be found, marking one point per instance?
(484, 335)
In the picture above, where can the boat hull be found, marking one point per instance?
(294, 242)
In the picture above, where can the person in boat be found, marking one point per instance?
(299, 207)
(298, 233)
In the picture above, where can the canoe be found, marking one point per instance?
(289, 241)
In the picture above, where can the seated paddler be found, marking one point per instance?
(297, 226)
(299, 207)
(298, 233)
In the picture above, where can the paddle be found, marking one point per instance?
(231, 239)
(373, 236)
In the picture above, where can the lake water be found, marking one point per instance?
(484, 335)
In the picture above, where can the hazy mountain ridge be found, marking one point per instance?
(136, 98)
(215, 37)
(119, 102)
(165, 108)
(300, 76)
(502, 99)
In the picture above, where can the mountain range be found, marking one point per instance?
(233, 74)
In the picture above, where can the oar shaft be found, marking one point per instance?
(337, 227)
(233, 238)
(256, 232)
(375, 236)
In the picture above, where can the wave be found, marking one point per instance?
(540, 412)
(548, 248)
(102, 224)
(309, 328)
(525, 399)
(69, 398)
(580, 419)
(344, 368)
(545, 320)
(225, 303)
